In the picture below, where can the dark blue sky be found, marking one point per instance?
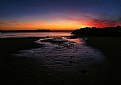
(24, 11)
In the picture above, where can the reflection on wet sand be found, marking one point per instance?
(53, 61)
(62, 54)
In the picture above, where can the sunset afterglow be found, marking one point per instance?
(58, 14)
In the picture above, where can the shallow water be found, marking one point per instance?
(63, 54)
(61, 60)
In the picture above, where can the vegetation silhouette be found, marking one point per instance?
(93, 31)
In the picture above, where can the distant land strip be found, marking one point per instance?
(25, 31)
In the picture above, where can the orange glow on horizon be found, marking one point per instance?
(47, 25)
(51, 25)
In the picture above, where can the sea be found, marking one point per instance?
(33, 34)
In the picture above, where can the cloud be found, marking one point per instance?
(1, 23)
(107, 20)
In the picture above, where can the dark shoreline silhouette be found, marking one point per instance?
(9, 31)
(3, 31)
(107, 31)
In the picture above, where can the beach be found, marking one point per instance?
(12, 66)
(111, 48)
(20, 70)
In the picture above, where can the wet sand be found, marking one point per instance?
(29, 71)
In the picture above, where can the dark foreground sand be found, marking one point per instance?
(111, 48)
(14, 68)
(29, 71)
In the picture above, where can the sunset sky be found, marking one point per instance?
(58, 14)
